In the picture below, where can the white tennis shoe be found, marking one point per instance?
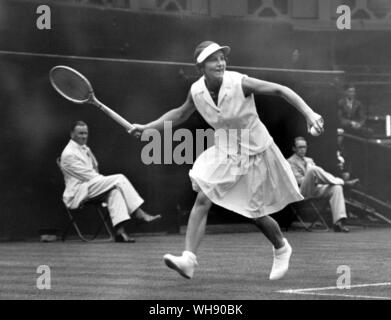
(184, 264)
(281, 261)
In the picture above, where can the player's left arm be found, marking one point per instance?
(256, 86)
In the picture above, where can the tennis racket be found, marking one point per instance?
(75, 87)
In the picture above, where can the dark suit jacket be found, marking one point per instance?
(347, 114)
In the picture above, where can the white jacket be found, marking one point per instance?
(79, 167)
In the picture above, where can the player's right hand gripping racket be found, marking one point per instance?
(75, 87)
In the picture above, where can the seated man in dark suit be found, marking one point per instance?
(351, 114)
(315, 182)
(83, 182)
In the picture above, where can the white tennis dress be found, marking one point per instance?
(244, 171)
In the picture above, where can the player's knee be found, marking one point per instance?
(203, 200)
(262, 221)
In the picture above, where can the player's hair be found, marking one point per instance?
(78, 123)
(298, 139)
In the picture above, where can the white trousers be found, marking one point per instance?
(122, 200)
(318, 183)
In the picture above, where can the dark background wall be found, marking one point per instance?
(35, 120)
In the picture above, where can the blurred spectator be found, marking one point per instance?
(297, 61)
(351, 113)
(294, 79)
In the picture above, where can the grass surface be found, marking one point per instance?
(232, 266)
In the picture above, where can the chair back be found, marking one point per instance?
(58, 162)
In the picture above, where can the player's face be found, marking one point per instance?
(301, 148)
(80, 135)
(214, 66)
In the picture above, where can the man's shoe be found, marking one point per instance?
(123, 237)
(184, 264)
(281, 261)
(339, 227)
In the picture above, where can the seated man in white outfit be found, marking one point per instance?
(315, 182)
(84, 182)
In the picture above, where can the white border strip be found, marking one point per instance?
(307, 291)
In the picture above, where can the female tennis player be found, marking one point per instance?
(265, 185)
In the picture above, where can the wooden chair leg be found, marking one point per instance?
(297, 215)
(104, 224)
(319, 216)
(72, 222)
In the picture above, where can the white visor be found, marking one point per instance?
(212, 48)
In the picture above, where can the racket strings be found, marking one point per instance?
(71, 85)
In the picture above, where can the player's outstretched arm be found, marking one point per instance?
(256, 86)
(176, 116)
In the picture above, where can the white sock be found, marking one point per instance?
(282, 249)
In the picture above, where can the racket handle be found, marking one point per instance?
(112, 114)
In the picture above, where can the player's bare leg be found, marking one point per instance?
(197, 222)
(186, 263)
(282, 251)
(271, 230)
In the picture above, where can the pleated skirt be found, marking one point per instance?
(253, 186)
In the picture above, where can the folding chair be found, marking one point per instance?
(300, 207)
(100, 205)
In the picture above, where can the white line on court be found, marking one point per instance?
(307, 291)
(342, 295)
